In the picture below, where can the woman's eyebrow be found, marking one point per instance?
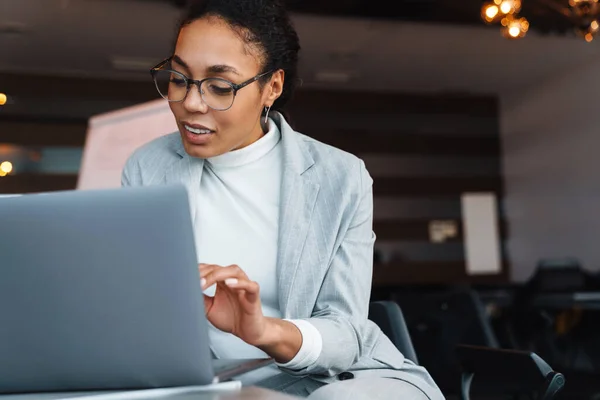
(215, 69)
(179, 61)
(222, 68)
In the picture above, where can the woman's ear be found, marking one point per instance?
(275, 87)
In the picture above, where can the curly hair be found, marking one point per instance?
(264, 25)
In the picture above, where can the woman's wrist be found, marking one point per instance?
(281, 340)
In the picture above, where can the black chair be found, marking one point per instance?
(388, 316)
(508, 372)
(439, 320)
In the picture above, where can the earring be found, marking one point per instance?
(267, 109)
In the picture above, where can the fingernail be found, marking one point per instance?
(202, 282)
(231, 281)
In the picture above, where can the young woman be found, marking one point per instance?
(283, 222)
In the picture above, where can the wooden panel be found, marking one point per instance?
(40, 86)
(376, 103)
(363, 141)
(33, 183)
(435, 186)
(418, 230)
(427, 273)
(42, 134)
(382, 165)
(304, 100)
(433, 124)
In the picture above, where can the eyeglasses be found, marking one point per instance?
(217, 93)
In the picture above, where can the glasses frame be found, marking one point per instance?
(198, 82)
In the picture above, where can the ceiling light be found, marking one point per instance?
(510, 6)
(6, 167)
(515, 28)
(3, 99)
(489, 12)
(506, 11)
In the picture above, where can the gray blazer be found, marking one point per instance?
(325, 249)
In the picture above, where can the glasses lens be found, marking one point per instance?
(171, 85)
(217, 93)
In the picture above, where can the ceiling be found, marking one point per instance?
(121, 39)
(545, 15)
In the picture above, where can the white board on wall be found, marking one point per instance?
(112, 137)
(481, 233)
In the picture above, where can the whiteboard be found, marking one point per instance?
(112, 137)
(481, 233)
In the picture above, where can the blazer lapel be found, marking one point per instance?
(187, 171)
(298, 198)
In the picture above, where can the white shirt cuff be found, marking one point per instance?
(312, 344)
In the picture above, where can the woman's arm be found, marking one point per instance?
(341, 309)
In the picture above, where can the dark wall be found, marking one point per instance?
(423, 152)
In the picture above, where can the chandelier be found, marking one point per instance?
(584, 15)
(506, 12)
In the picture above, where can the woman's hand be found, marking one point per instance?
(235, 307)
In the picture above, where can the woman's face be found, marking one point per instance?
(208, 47)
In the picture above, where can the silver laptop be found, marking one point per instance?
(99, 290)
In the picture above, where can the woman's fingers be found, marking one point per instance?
(247, 285)
(220, 274)
(205, 269)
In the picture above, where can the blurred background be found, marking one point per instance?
(467, 113)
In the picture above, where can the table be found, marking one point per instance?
(565, 301)
(246, 393)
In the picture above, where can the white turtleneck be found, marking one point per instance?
(237, 223)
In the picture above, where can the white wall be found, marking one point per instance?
(551, 146)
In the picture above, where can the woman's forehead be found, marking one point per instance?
(205, 43)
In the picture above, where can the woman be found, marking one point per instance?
(283, 223)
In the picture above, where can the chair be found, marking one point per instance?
(388, 316)
(502, 371)
(508, 372)
(437, 321)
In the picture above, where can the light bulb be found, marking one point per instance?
(514, 31)
(514, 28)
(510, 6)
(6, 167)
(489, 12)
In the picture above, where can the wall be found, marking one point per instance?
(423, 152)
(551, 166)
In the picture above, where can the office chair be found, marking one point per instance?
(508, 372)
(499, 371)
(437, 322)
(388, 316)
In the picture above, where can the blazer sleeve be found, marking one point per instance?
(341, 310)
(131, 174)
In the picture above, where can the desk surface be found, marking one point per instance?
(245, 393)
(561, 301)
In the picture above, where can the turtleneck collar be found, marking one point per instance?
(250, 153)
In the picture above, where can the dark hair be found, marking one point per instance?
(265, 24)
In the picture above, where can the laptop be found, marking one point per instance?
(100, 290)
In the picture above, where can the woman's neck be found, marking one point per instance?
(258, 132)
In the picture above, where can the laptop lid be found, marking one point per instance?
(100, 290)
